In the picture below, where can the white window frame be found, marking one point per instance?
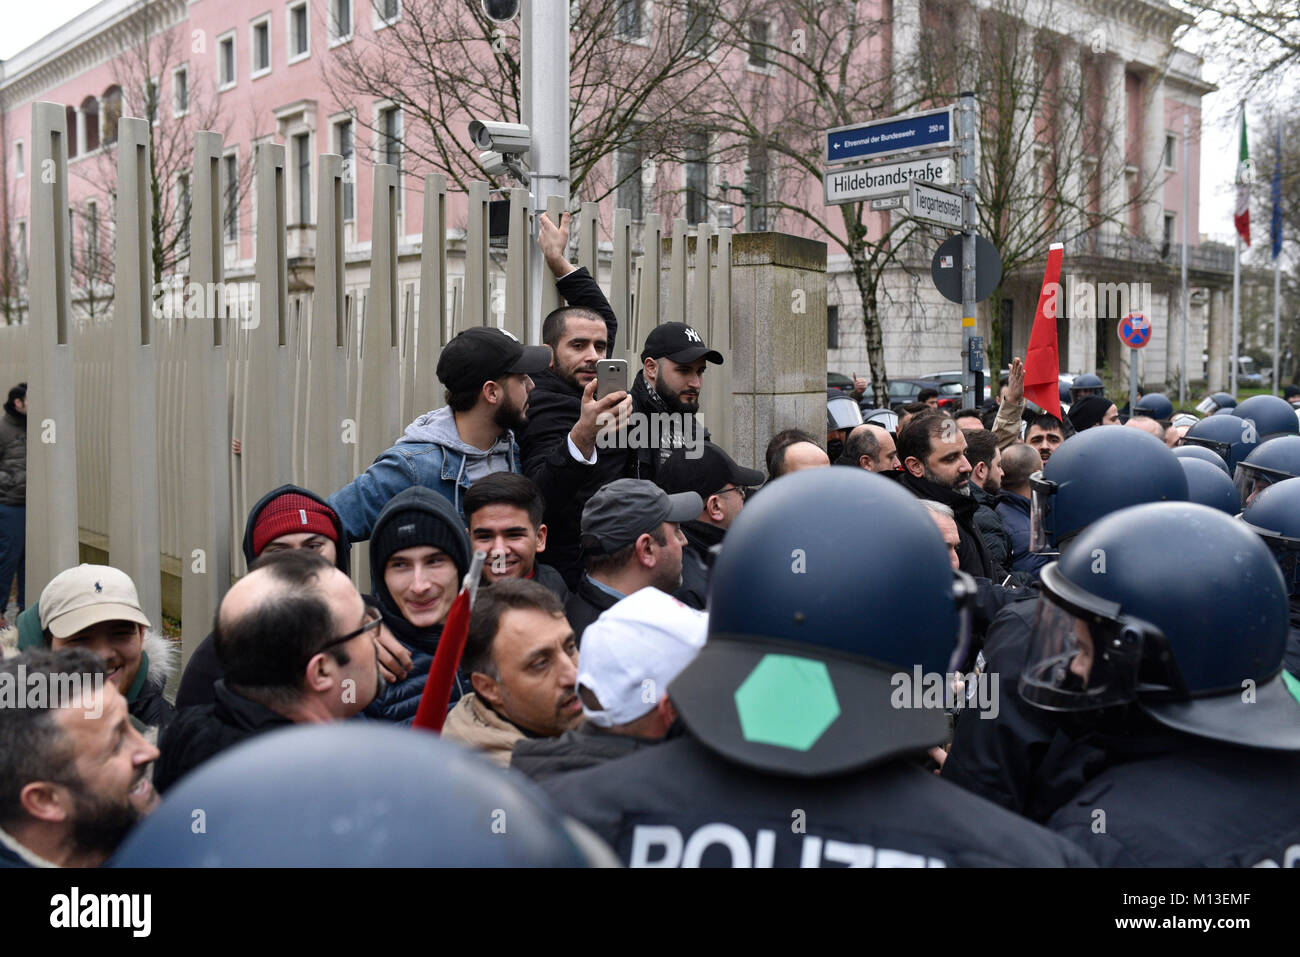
(1169, 157)
(335, 38)
(254, 72)
(293, 57)
(711, 42)
(182, 70)
(708, 184)
(233, 152)
(297, 219)
(644, 38)
(336, 122)
(233, 80)
(639, 180)
(381, 107)
(770, 68)
(378, 20)
(20, 159)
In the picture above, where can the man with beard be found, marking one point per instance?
(298, 644)
(73, 768)
(985, 482)
(666, 394)
(487, 373)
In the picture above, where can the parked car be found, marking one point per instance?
(950, 379)
(838, 380)
(901, 392)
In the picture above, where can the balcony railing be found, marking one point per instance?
(1211, 257)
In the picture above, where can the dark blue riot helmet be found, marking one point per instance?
(1097, 472)
(1204, 454)
(1214, 402)
(790, 681)
(1155, 405)
(356, 795)
(1273, 461)
(1209, 485)
(1272, 415)
(1085, 385)
(1227, 436)
(843, 415)
(1196, 643)
(1274, 516)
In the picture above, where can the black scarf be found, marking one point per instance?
(417, 639)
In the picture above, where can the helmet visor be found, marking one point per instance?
(1207, 405)
(1042, 536)
(1222, 449)
(1251, 480)
(1080, 658)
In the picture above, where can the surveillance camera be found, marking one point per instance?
(500, 137)
(495, 164)
(501, 11)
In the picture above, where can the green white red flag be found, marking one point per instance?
(1241, 218)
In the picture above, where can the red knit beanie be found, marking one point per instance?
(292, 513)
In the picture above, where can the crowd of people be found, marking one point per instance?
(698, 663)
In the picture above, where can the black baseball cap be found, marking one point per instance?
(625, 509)
(679, 342)
(705, 470)
(484, 353)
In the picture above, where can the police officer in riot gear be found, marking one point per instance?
(1274, 461)
(1209, 485)
(1017, 759)
(1156, 405)
(802, 734)
(1274, 516)
(1177, 668)
(1205, 455)
(1214, 402)
(843, 415)
(357, 795)
(1271, 414)
(1085, 385)
(1226, 435)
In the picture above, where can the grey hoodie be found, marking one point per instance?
(439, 428)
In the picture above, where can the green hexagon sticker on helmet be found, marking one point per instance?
(787, 701)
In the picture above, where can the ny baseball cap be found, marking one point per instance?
(85, 596)
(706, 474)
(679, 342)
(484, 353)
(632, 651)
(625, 509)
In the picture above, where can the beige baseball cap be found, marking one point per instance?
(85, 596)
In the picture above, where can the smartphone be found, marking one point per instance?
(611, 376)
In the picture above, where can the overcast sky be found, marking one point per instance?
(27, 22)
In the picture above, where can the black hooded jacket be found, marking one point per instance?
(972, 556)
(204, 668)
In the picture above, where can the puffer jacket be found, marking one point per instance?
(13, 458)
(990, 526)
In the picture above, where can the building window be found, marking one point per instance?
(226, 76)
(344, 145)
(832, 327)
(180, 91)
(230, 177)
(698, 25)
(697, 179)
(72, 241)
(111, 113)
(390, 143)
(386, 12)
(1171, 151)
(183, 203)
(629, 19)
(151, 100)
(299, 39)
(1169, 233)
(759, 30)
(340, 20)
(20, 160)
(90, 124)
(70, 121)
(628, 169)
(756, 174)
(21, 251)
(302, 153)
(261, 43)
(92, 239)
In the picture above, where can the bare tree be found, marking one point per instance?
(1260, 39)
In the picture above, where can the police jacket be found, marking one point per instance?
(584, 747)
(1191, 804)
(554, 407)
(585, 605)
(679, 805)
(700, 537)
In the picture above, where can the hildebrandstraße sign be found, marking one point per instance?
(857, 183)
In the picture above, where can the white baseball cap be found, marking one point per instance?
(633, 650)
(86, 595)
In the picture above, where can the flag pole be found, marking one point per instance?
(1236, 317)
(1277, 319)
(1275, 228)
(1187, 180)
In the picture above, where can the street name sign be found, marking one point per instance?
(933, 129)
(854, 184)
(941, 207)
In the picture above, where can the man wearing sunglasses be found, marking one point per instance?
(722, 485)
(298, 644)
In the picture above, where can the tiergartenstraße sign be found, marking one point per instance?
(856, 183)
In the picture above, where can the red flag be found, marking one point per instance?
(451, 645)
(1042, 361)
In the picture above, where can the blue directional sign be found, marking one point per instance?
(933, 129)
(1135, 330)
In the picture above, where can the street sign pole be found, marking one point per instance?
(1132, 381)
(966, 131)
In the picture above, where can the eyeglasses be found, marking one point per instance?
(374, 618)
(735, 488)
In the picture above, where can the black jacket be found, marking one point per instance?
(554, 406)
(205, 731)
(973, 557)
(552, 579)
(13, 458)
(990, 527)
(649, 455)
(204, 667)
(700, 537)
(1190, 804)
(653, 808)
(585, 605)
(584, 747)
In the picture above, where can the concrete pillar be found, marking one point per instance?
(906, 37)
(1153, 173)
(778, 317)
(1219, 336)
(431, 329)
(1114, 183)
